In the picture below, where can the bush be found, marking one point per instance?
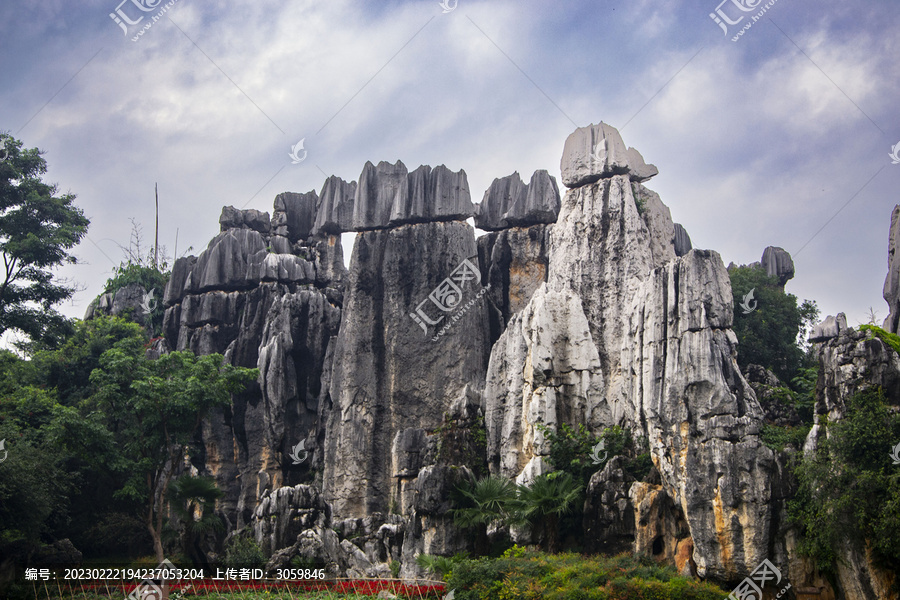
(778, 438)
(243, 552)
(527, 575)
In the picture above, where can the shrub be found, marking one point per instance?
(243, 552)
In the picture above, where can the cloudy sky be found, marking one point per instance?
(779, 138)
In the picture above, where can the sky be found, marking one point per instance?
(782, 137)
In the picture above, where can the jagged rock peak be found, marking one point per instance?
(892, 281)
(388, 195)
(682, 240)
(511, 203)
(233, 218)
(334, 212)
(778, 263)
(597, 151)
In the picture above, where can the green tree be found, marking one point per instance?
(547, 498)
(487, 501)
(38, 228)
(158, 406)
(193, 500)
(767, 335)
(849, 490)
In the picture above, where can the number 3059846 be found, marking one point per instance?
(300, 573)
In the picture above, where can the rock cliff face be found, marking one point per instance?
(438, 358)
(264, 295)
(625, 332)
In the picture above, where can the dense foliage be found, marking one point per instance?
(38, 228)
(571, 451)
(849, 490)
(767, 336)
(92, 430)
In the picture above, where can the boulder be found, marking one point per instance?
(830, 328)
(778, 264)
(597, 151)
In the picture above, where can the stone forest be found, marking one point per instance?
(574, 340)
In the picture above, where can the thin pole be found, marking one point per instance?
(156, 241)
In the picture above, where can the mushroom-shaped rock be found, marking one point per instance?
(597, 151)
(778, 263)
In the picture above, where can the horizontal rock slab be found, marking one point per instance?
(388, 195)
(511, 203)
(233, 218)
(597, 151)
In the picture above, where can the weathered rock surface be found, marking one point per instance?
(561, 382)
(513, 263)
(275, 311)
(597, 151)
(772, 396)
(410, 343)
(334, 213)
(511, 203)
(682, 240)
(892, 280)
(131, 301)
(778, 264)
(830, 328)
(609, 516)
(388, 195)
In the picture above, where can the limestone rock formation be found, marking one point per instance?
(830, 328)
(892, 280)
(778, 264)
(682, 240)
(513, 264)
(260, 308)
(412, 339)
(597, 151)
(388, 195)
(511, 203)
(334, 212)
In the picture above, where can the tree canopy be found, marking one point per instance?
(38, 228)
